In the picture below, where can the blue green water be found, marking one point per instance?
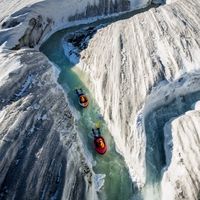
(118, 184)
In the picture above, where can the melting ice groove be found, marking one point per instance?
(118, 184)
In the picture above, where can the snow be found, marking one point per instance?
(10, 67)
(197, 105)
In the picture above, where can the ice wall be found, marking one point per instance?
(40, 155)
(182, 150)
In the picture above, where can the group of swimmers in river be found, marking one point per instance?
(99, 142)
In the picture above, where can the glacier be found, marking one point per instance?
(143, 72)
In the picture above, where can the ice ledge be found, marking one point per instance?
(182, 173)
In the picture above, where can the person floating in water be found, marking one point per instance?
(99, 142)
(83, 100)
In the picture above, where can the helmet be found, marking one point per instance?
(100, 143)
(82, 99)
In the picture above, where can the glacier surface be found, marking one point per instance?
(144, 74)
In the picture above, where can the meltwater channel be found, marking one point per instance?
(118, 184)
